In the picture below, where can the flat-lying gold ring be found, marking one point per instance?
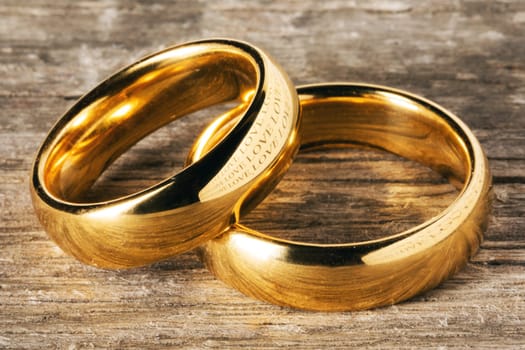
(197, 203)
(377, 272)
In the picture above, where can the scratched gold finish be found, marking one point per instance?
(195, 204)
(374, 273)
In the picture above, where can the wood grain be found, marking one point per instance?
(465, 55)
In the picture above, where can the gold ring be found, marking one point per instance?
(197, 203)
(371, 273)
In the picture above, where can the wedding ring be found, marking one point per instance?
(372, 273)
(195, 204)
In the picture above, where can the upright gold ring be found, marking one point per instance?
(371, 273)
(195, 204)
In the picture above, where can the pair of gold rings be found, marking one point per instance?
(237, 161)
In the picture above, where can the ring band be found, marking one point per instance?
(378, 272)
(197, 203)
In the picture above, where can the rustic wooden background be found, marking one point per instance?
(467, 55)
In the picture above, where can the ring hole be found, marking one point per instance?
(342, 195)
(154, 158)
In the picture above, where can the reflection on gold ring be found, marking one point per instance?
(195, 204)
(377, 272)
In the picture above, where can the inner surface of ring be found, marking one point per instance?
(391, 122)
(136, 102)
(375, 118)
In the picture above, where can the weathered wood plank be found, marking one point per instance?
(465, 55)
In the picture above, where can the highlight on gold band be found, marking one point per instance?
(195, 204)
(366, 274)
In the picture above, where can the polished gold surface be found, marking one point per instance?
(195, 204)
(365, 274)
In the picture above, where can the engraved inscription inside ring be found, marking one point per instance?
(260, 146)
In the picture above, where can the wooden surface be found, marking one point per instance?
(466, 55)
